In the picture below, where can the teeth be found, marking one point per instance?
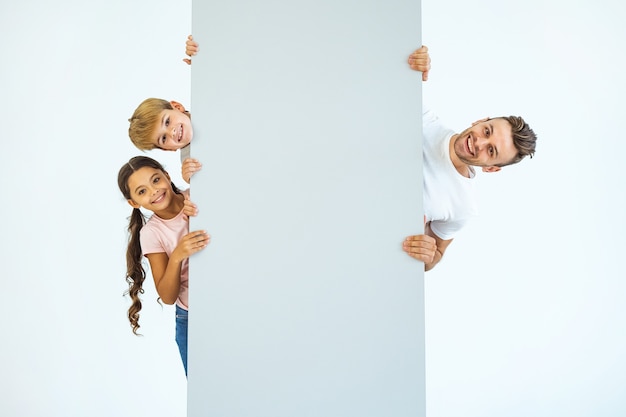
(470, 145)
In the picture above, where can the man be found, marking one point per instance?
(449, 161)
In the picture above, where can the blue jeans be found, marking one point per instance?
(182, 319)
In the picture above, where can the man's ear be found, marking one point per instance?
(177, 106)
(480, 121)
(491, 168)
(133, 204)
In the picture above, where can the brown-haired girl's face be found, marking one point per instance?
(151, 189)
(172, 130)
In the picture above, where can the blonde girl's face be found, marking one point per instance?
(151, 189)
(172, 130)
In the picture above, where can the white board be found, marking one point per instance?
(307, 120)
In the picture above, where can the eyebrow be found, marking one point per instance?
(140, 186)
(494, 146)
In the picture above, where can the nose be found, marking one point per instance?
(481, 142)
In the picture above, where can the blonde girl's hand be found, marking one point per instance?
(191, 48)
(419, 60)
(190, 167)
(191, 243)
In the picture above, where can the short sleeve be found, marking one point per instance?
(447, 230)
(150, 241)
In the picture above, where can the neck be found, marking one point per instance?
(461, 167)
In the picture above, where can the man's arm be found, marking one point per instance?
(428, 248)
(441, 247)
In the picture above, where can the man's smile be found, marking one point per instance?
(470, 145)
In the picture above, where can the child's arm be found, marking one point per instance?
(166, 269)
(191, 48)
(190, 167)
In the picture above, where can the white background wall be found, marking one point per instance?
(525, 316)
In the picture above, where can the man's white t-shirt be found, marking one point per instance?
(449, 197)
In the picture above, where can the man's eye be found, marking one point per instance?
(491, 151)
(487, 132)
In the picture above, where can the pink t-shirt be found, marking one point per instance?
(159, 235)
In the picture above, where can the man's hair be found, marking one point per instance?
(524, 139)
(143, 121)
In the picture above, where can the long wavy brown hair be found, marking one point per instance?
(135, 272)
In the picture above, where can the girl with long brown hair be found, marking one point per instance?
(164, 239)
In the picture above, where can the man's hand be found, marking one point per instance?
(428, 248)
(420, 247)
(419, 60)
(190, 167)
(191, 48)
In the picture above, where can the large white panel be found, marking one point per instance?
(308, 123)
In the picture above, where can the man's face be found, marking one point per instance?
(173, 130)
(486, 143)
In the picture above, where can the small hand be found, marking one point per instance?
(420, 247)
(190, 167)
(189, 208)
(191, 48)
(191, 243)
(419, 60)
